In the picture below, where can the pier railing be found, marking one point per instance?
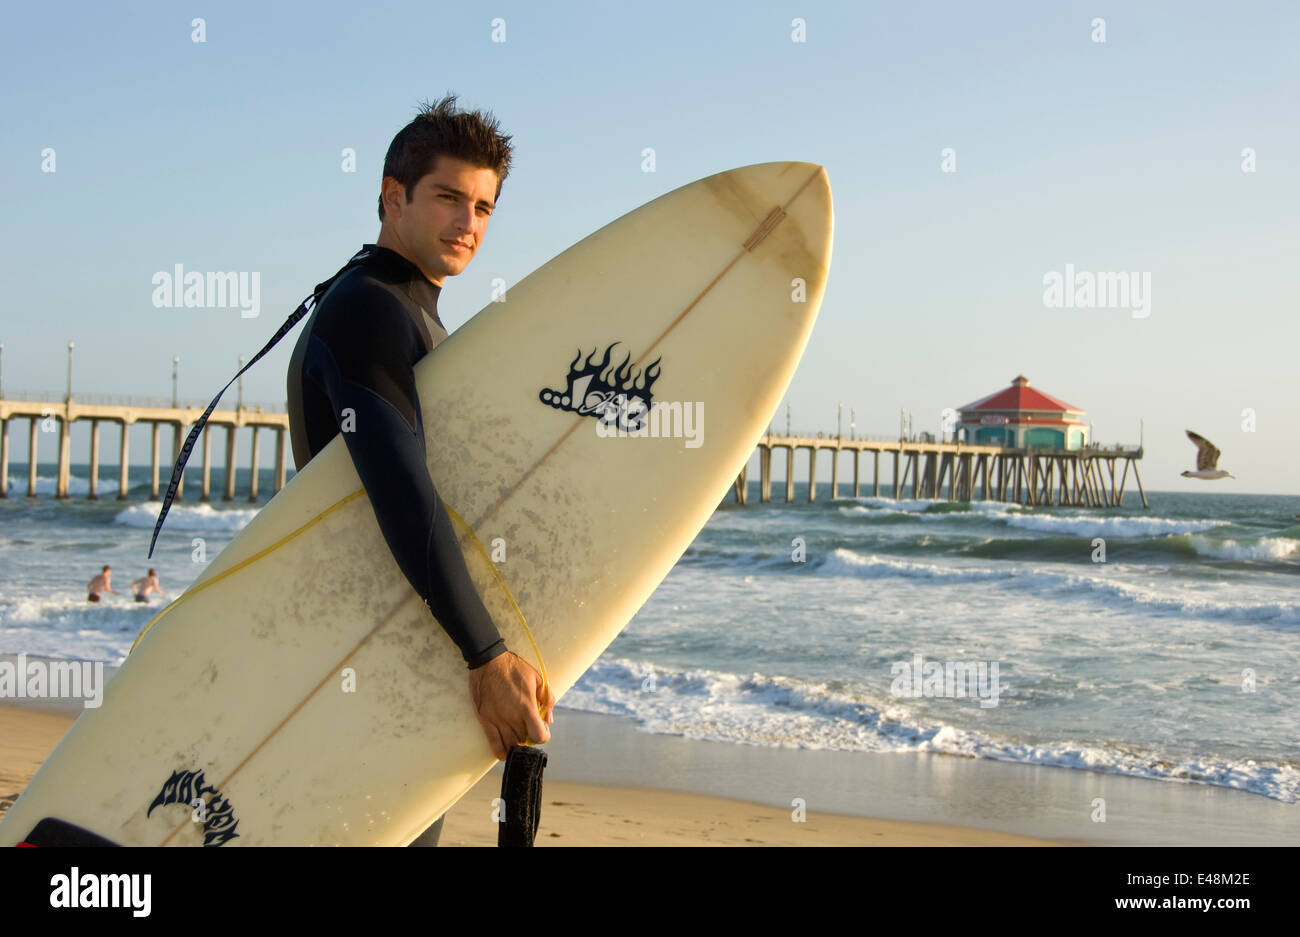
(130, 400)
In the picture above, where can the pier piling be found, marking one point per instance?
(39, 412)
(1085, 477)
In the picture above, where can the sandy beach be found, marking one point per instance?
(608, 784)
(597, 815)
(576, 814)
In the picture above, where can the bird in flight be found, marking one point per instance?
(1207, 460)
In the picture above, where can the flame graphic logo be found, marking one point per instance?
(608, 391)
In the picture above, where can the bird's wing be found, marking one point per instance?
(1207, 456)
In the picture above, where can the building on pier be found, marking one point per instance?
(1021, 416)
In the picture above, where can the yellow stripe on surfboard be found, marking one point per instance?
(541, 665)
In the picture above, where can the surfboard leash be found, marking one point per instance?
(183, 456)
(521, 781)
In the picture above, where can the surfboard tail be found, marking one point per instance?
(54, 832)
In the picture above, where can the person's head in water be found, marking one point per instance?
(106, 569)
(442, 178)
(152, 573)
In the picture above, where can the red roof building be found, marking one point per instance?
(1022, 416)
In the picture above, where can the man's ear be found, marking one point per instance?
(393, 193)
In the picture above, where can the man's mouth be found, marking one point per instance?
(457, 246)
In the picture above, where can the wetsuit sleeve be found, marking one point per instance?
(365, 367)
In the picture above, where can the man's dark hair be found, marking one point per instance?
(442, 130)
(106, 569)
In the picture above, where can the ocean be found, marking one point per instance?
(1161, 643)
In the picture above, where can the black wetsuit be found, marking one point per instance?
(357, 351)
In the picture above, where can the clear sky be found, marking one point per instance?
(1117, 156)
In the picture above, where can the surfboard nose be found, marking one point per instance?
(793, 187)
(779, 215)
(807, 182)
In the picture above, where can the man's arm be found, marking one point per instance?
(365, 366)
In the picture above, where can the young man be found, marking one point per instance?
(101, 583)
(442, 176)
(146, 584)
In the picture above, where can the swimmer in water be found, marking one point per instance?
(100, 584)
(146, 584)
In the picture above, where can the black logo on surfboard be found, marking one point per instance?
(618, 394)
(186, 787)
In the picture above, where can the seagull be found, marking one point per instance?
(1207, 460)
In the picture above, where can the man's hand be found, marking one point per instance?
(507, 694)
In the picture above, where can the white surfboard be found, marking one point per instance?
(300, 687)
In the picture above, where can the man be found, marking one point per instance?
(100, 584)
(146, 584)
(442, 176)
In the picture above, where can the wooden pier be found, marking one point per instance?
(1087, 477)
(180, 419)
(1066, 477)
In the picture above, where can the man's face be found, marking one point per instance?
(450, 206)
